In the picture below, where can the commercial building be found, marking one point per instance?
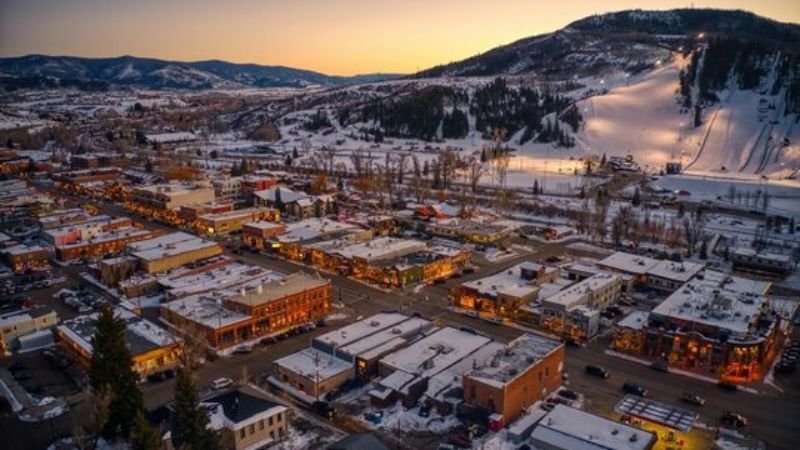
(502, 294)
(227, 188)
(470, 231)
(566, 428)
(153, 349)
(190, 213)
(527, 370)
(663, 275)
(24, 322)
(93, 175)
(258, 235)
(748, 258)
(171, 196)
(237, 315)
(312, 373)
(232, 221)
(101, 244)
(22, 257)
(716, 325)
(575, 311)
(172, 250)
(246, 418)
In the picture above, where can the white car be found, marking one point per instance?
(221, 383)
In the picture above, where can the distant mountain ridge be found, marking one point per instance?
(616, 39)
(42, 71)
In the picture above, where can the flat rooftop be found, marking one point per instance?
(627, 262)
(375, 340)
(313, 363)
(111, 235)
(519, 354)
(383, 247)
(219, 277)
(747, 252)
(314, 228)
(281, 287)
(676, 271)
(168, 245)
(206, 310)
(435, 352)
(719, 300)
(508, 282)
(574, 295)
(235, 214)
(566, 427)
(349, 334)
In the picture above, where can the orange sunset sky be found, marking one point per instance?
(332, 36)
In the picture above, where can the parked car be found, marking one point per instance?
(566, 393)
(269, 340)
(734, 420)
(221, 383)
(660, 366)
(243, 350)
(597, 371)
(693, 398)
(424, 411)
(459, 440)
(728, 386)
(634, 389)
(324, 409)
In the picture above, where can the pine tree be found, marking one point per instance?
(637, 198)
(111, 370)
(144, 436)
(190, 421)
(288, 161)
(295, 154)
(148, 166)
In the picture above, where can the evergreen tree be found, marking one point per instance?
(111, 370)
(148, 166)
(31, 166)
(295, 154)
(190, 421)
(603, 160)
(637, 198)
(425, 169)
(535, 187)
(288, 161)
(144, 436)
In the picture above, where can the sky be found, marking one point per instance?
(342, 37)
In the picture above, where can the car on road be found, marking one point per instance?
(566, 393)
(221, 383)
(728, 386)
(660, 366)
(324, 409)
(269, 340)
(243, 349)
(597, 371)
(693, 398)
(734, 420)
(634, 389)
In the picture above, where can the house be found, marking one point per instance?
(246, 418)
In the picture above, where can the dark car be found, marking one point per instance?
(597, 371)
(424, 411)
(566, 393)
(634, 389)
(728, 386)
(734, 420)
(660, 366)
(324, 409)
(693, 398)
(459, 440)
(269, 340)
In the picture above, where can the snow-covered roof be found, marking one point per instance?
(214, 278)
(747, 252)
(171, 137)
(581, 292)
(719, 300)
(380, 338)
(635, 320)
(238, 408)
(569, 428)
(358, 330)
(314, 364)
(206, 310)
(658, 412)
(235, 214)
(436, 352)
(313, 228)
(627, 262)
(516, 357)
(451, 377)
(380, 248)
(141, 335)
(167, 245)
(508, 282)
(287, 195)
(676, 271)
(277, 288)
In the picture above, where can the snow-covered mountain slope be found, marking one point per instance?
(39, 71)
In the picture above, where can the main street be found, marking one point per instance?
(773, 416)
